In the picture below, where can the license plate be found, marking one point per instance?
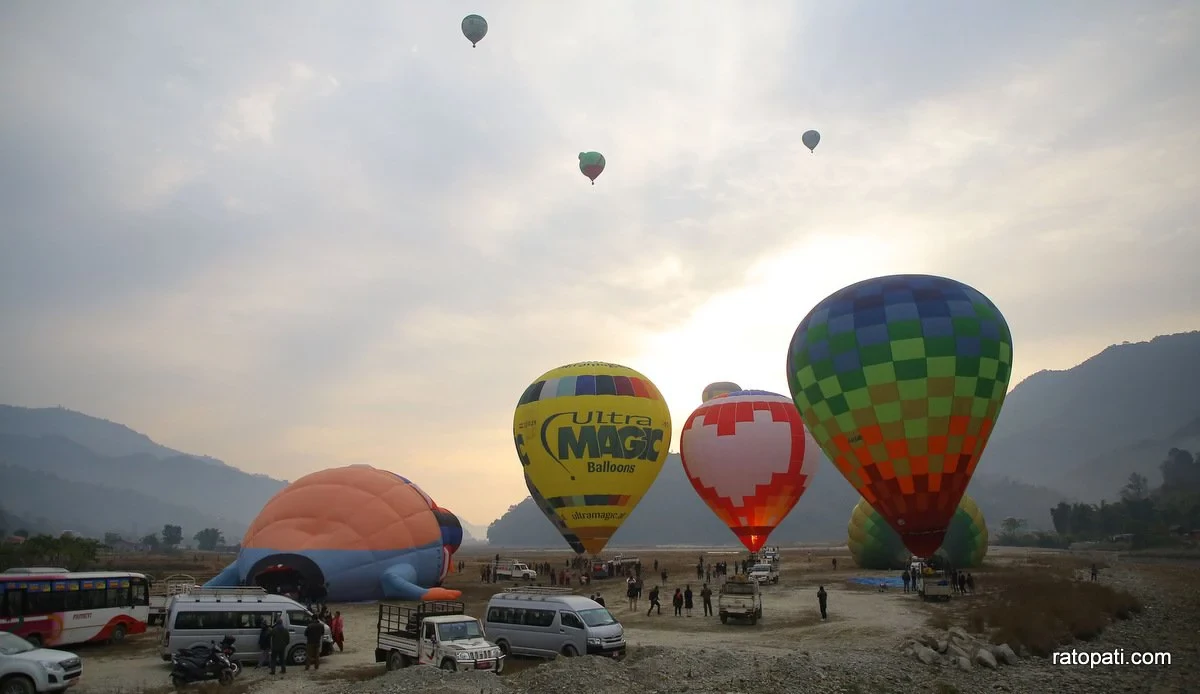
(485, 665)
(616, 654)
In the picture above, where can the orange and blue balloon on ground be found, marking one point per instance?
(900, 379)
(350, 534)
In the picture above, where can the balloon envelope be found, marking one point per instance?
(900, 379)
(718, 389)
(591, 164)
(810, 139)
(748, 457)
(592, 438)
(474, 28)
(874, 545)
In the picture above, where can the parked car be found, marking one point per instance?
(27, 669)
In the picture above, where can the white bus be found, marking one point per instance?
(55, 607)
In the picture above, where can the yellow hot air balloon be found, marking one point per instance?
(592, 438)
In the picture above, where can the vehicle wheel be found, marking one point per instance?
(235, 667)
(226, 678)
(449, 665)
(298, 655)
(35, 640)
(505, 650)
(499, 665)
(118, 634)
(569, 651)
(17, 684)
(724, 619)
(395, 661)
(178, 682)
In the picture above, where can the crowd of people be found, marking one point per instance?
(274, 639)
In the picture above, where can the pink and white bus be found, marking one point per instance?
(55, 607)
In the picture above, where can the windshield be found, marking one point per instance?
(459, 631)
(738, 588)
(598, 617)
(761, 569)
(11, 644)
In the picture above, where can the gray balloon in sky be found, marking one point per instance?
(810, 139)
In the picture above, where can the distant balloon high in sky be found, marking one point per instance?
(713, 390)
(474, 28)
(591, 164)
(592, 438)
(900, 379)
(810, 139)
(748, 457)
(874, 545)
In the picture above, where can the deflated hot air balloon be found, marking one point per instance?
(474, 28)
(900, 380)
(349, 534)
(592, 438)
(810, 139)
(748, 456)
(874, 545)
(591, 164)
(716, 390)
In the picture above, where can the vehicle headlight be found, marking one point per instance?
(51, 667)
(462, 655)
(593, 642)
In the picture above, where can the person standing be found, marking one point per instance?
(338, 627)
(264, 645)
(907, 580)
(687, 600)
(822, 600)
(677, 602)
(313, 634)
(654, 602)
(706, 598)
(280, 638)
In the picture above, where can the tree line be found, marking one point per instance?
(170, 537)
(1142, 515)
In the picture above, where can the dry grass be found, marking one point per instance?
(1044, 607)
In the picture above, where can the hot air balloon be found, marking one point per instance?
(874, 545)
(747, 456)
(548, 510)
(592, 438)
(810, 139)
(591, 164)
(716, 390)
(900, 380)
(474, 28)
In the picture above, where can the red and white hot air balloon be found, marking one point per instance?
(750, 458)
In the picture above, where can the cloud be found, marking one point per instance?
(293, 236)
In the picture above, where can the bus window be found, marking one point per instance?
(11, 603)
(40, 603)
(141, 593)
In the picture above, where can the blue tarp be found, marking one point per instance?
(891, 581)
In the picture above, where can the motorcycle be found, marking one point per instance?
(202, 663)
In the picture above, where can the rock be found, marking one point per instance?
(955, 652)
(1005, 654)
(985, 658)
(929, 640)
(963, 663)
(941, 645)
(958, 633)
(926, 655)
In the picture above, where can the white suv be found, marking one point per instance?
(26, 669)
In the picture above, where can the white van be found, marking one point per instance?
(205, 615)
(548, 622)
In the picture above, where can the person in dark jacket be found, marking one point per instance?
(280, 639)
(264, 645)
(677, 602)
(822, 600)
(687, 600)
(312, 636)
(654, 601)
(706, 598)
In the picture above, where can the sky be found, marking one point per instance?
(296, 235)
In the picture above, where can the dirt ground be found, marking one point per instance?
(861, 619)
(858, 615)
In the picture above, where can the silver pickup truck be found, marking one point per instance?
(740, 598)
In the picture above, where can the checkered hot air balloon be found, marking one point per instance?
(900, 379)
(749, 458)
(874, 545)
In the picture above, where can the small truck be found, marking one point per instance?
(437, 633)
(931, 583)
(764, 573)
(739, 599)
(512, 569)
(162, 591)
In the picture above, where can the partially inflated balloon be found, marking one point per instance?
(900, 379)
(592, 438)
(718, 389)
(591, 164)
(874, 545)
(810, 139)
(474, 28)
(748, 457)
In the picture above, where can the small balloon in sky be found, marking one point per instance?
(810, 139)
(474, 28)
(591, 164)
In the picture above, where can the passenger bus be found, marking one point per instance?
(56, 607)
